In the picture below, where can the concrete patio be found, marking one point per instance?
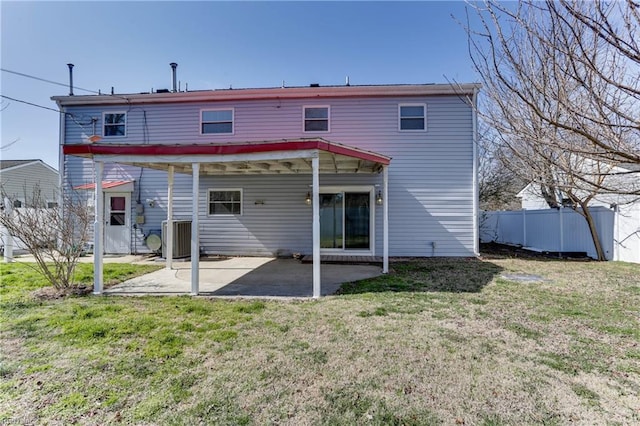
(233, 277)
(245, 277)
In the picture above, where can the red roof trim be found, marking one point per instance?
(226, 149)
(105, 185)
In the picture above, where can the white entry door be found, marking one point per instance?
(117, 230)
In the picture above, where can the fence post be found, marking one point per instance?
(561, 231)
(524, 227)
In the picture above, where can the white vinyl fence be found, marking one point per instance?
(554, 230)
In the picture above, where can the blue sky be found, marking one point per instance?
(129, 45)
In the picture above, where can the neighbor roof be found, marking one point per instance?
(7, 164)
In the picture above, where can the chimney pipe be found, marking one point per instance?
(70, 79)
(173, 72)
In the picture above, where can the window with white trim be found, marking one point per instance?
(225, 202)
(316, 118)
(114, 124)
(412, 117)
(216, 121)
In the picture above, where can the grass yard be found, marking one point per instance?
(437, 341)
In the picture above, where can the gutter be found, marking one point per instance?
(476, 192)
(61, 171)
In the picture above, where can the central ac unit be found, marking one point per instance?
(181, 238)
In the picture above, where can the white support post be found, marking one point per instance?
(98, 230)
(385, 219)
(195, 238)
(315, 163)
(169, 233)
(6, 235)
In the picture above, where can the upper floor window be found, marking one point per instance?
(412, 117)
(115, 124)
(216, 121)
(316, 119)
(225, 201)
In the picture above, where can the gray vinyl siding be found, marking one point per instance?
(20, 182)
(430, 177)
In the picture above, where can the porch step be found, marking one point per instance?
(345, 260)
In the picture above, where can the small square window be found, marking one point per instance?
(412, 117)
(225, 202)
(115, 124)
(17, 204)
(52, 205)
(218, 121)
(316, 119)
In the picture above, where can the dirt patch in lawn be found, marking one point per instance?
(501, 251)
(52, 293)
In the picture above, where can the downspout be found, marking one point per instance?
(61, 171)
(474, 117)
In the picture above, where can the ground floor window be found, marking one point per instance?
(225, 202)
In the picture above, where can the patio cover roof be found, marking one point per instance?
(309, 156)
(108, 185)
(266, 157)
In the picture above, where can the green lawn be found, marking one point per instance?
(437, 341)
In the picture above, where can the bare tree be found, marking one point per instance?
(497, 184)
(561, 89)
(54, 235)
(548, 60)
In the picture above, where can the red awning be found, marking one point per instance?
(227, 149)
(105, 184)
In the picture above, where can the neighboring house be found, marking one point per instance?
(625, 177)
(349, 170)
(625, 208)
(19, 179)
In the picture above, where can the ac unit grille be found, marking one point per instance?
(181, 239)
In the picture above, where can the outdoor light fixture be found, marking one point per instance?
(379, 198)
(308, 199)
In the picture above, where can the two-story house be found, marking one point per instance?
(351, 170)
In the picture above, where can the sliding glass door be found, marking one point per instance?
(345, 221)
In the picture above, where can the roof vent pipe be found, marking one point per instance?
(173, 72)
(70, 79)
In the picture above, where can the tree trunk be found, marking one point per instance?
(586, 213)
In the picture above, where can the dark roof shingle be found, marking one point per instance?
(5, 164)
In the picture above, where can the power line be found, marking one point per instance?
(45, 80)
(68, 114)
(35, 105)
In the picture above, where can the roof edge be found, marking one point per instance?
(466, 89)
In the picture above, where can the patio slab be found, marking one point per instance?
(245, 277)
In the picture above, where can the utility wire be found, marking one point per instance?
(35, 105)
(68, 114)
(45, 80)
